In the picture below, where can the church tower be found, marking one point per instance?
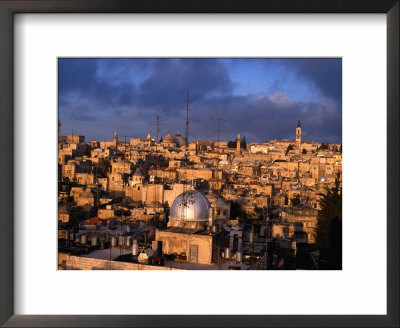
(298, 134)
(238, 145)
(115, 139)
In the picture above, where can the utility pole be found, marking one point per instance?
(219, 127)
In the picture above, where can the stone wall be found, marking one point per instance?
(72, 262)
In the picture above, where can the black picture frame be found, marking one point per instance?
(7, 201)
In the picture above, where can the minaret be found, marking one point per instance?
(238, 145)
(298, 134)
(115, 139)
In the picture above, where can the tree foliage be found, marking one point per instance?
(329, 227)
(243, 143)
(289, 148)
(324, 146)
(232, 144)
(237, 212)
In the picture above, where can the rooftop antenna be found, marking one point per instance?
(158, 121)
(219, 127)
(187, 116)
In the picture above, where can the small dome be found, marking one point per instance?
(191, 205)
(138, 173)
(168, 139)
(179, 140)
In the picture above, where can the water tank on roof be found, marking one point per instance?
(239, 256)
(83, 239)
(135, 249)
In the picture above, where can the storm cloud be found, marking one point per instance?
(260, 98)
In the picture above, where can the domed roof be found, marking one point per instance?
(180, 141)
(191, 205)
(169, 139)
(138, 173)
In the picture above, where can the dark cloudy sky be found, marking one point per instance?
(261, 99)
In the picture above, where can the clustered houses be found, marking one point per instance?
(264, 197)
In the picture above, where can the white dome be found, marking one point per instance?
(191, 205)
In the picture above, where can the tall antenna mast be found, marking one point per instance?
(158, 121)
(187, 117)
(219, 127)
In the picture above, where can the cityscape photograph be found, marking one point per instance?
(199, 164)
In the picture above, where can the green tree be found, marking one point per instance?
(231, 144)
(237, 212)
(243, 143)
(329, 226)
(324, 146)
(289, 148)
(304, 151)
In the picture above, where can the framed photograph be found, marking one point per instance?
(175, 164)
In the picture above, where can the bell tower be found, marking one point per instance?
(115, 139)
(298, 134)
(238, 145)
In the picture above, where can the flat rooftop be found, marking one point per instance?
(189, 231)
(200, 266)
(106, 254)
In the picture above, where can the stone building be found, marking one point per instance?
(304, 220)
(221, 208)
(189, 232)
